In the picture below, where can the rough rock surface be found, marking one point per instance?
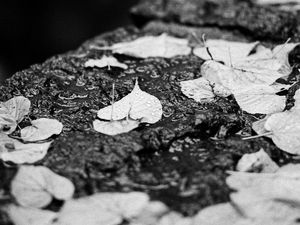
(182, 159)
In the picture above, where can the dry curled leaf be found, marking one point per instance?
(228, 52)
(116, 126)
(29, 216)
(12, 112)
(35, 186)
(41, 129)
(260, 99)
(257, 162)
(201, 90)
(103, 208)
(105, 61)
(153, 46)
(17, 152)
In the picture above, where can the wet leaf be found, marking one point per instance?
(285, 128)
(105, 61)
(201, 90)
(29, 216)
(35, 186)
(41, 129)
(103, 208)
(153, 46)
(12, 112)
(17, 152)
(219, 214)
(116, 126)
(228, 52)
(138, 105)
(237, 78)
(260, 99)
(174, 218)
(257, 162)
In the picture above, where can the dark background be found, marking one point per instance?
(32, 31)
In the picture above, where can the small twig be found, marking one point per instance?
(112, 101)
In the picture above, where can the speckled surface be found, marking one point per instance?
(181, 160)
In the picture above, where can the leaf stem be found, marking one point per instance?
(257, 136)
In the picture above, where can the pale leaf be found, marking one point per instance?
(228, 52)
(36, 186)
(174, 218)
(278, 185)
(105, 61)
(281, 52)
(267, 210)
(201, 90)
(138, 105)
(276, 2)
(41, 129)
(103, 208)
(116, 126)
(260, 99)
(285, 128)
(29, 216)
(259, 126)
(153, 46)
(236, 79)
(17, 152)
(219, 214)
(12, 112)
(257, 162)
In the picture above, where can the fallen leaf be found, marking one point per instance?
(267, 197)
(279, 185)
(228, 52)
(174, 218)
(116, 126)
(219, 214)
(17, 152)
(152, 46)
(285, 128)
(35, 186)
(41, 129)
(257, 162)
(276, 2)
(29, 216)
(103, 208)
(138, 105)
(150, 214)
(238, 78)
(105, 61)
(260, 99)
(12, 112)
(201, 90)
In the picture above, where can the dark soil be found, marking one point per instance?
(181, 160)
